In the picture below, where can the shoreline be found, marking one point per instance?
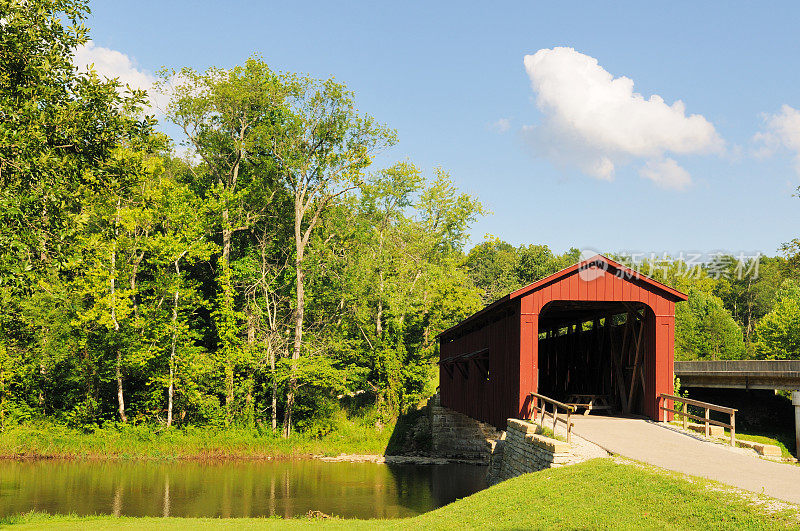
(341, 458)
(399, 459)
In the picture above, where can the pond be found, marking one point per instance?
(285, 488)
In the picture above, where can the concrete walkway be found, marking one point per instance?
(663, 447)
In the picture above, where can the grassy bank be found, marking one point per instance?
(156, 442)
(783, 440)
(596, 494)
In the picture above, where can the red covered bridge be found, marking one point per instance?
(596, 328)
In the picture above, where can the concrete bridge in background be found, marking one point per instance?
(736, 374)
(749, 374)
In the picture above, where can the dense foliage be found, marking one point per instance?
(268, 274)
(779, 331)
(498, 268)
(704, 329)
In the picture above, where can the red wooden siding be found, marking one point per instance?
(491, 399)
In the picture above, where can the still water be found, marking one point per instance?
(233, 488)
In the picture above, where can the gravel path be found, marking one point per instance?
(582, 449)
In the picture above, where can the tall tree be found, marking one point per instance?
(114, 224)
(704, 329)
(58, 140)
(748, 287)
(384, 201)
(322, 150)
(493, 267)
(181, 241)
(778, 333)
(229, 118)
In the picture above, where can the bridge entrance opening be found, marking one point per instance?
(599, 356)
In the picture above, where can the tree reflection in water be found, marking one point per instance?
(233, 488)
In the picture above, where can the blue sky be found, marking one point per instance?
(450, 77)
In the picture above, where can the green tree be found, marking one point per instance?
(493, 267)
(498, 268)
(60, 138)
(535, 262)
(386, 274)
(114, 225)
(181, 240)
(443, 218)
(230, 118)
(704, 329)
(322, 150)
(778, 333)
(748, 288)
(383, 205)
(267, 272)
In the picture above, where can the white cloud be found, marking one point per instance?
(596, 122)
(782, 131)
(666, 173)
(114, 64)
(501, 126)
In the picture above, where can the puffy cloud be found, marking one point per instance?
(666, 173)
(595, 121)
(782, 130)
(502, 125)
(114, 64)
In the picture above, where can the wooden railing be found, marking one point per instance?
(663, 398)
(541, 410)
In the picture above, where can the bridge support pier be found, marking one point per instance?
(796, 404)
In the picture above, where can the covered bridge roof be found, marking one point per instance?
(600, 262)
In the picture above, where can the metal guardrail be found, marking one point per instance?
(542, 411)
(662, 402)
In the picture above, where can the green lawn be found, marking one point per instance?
(596, 494)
